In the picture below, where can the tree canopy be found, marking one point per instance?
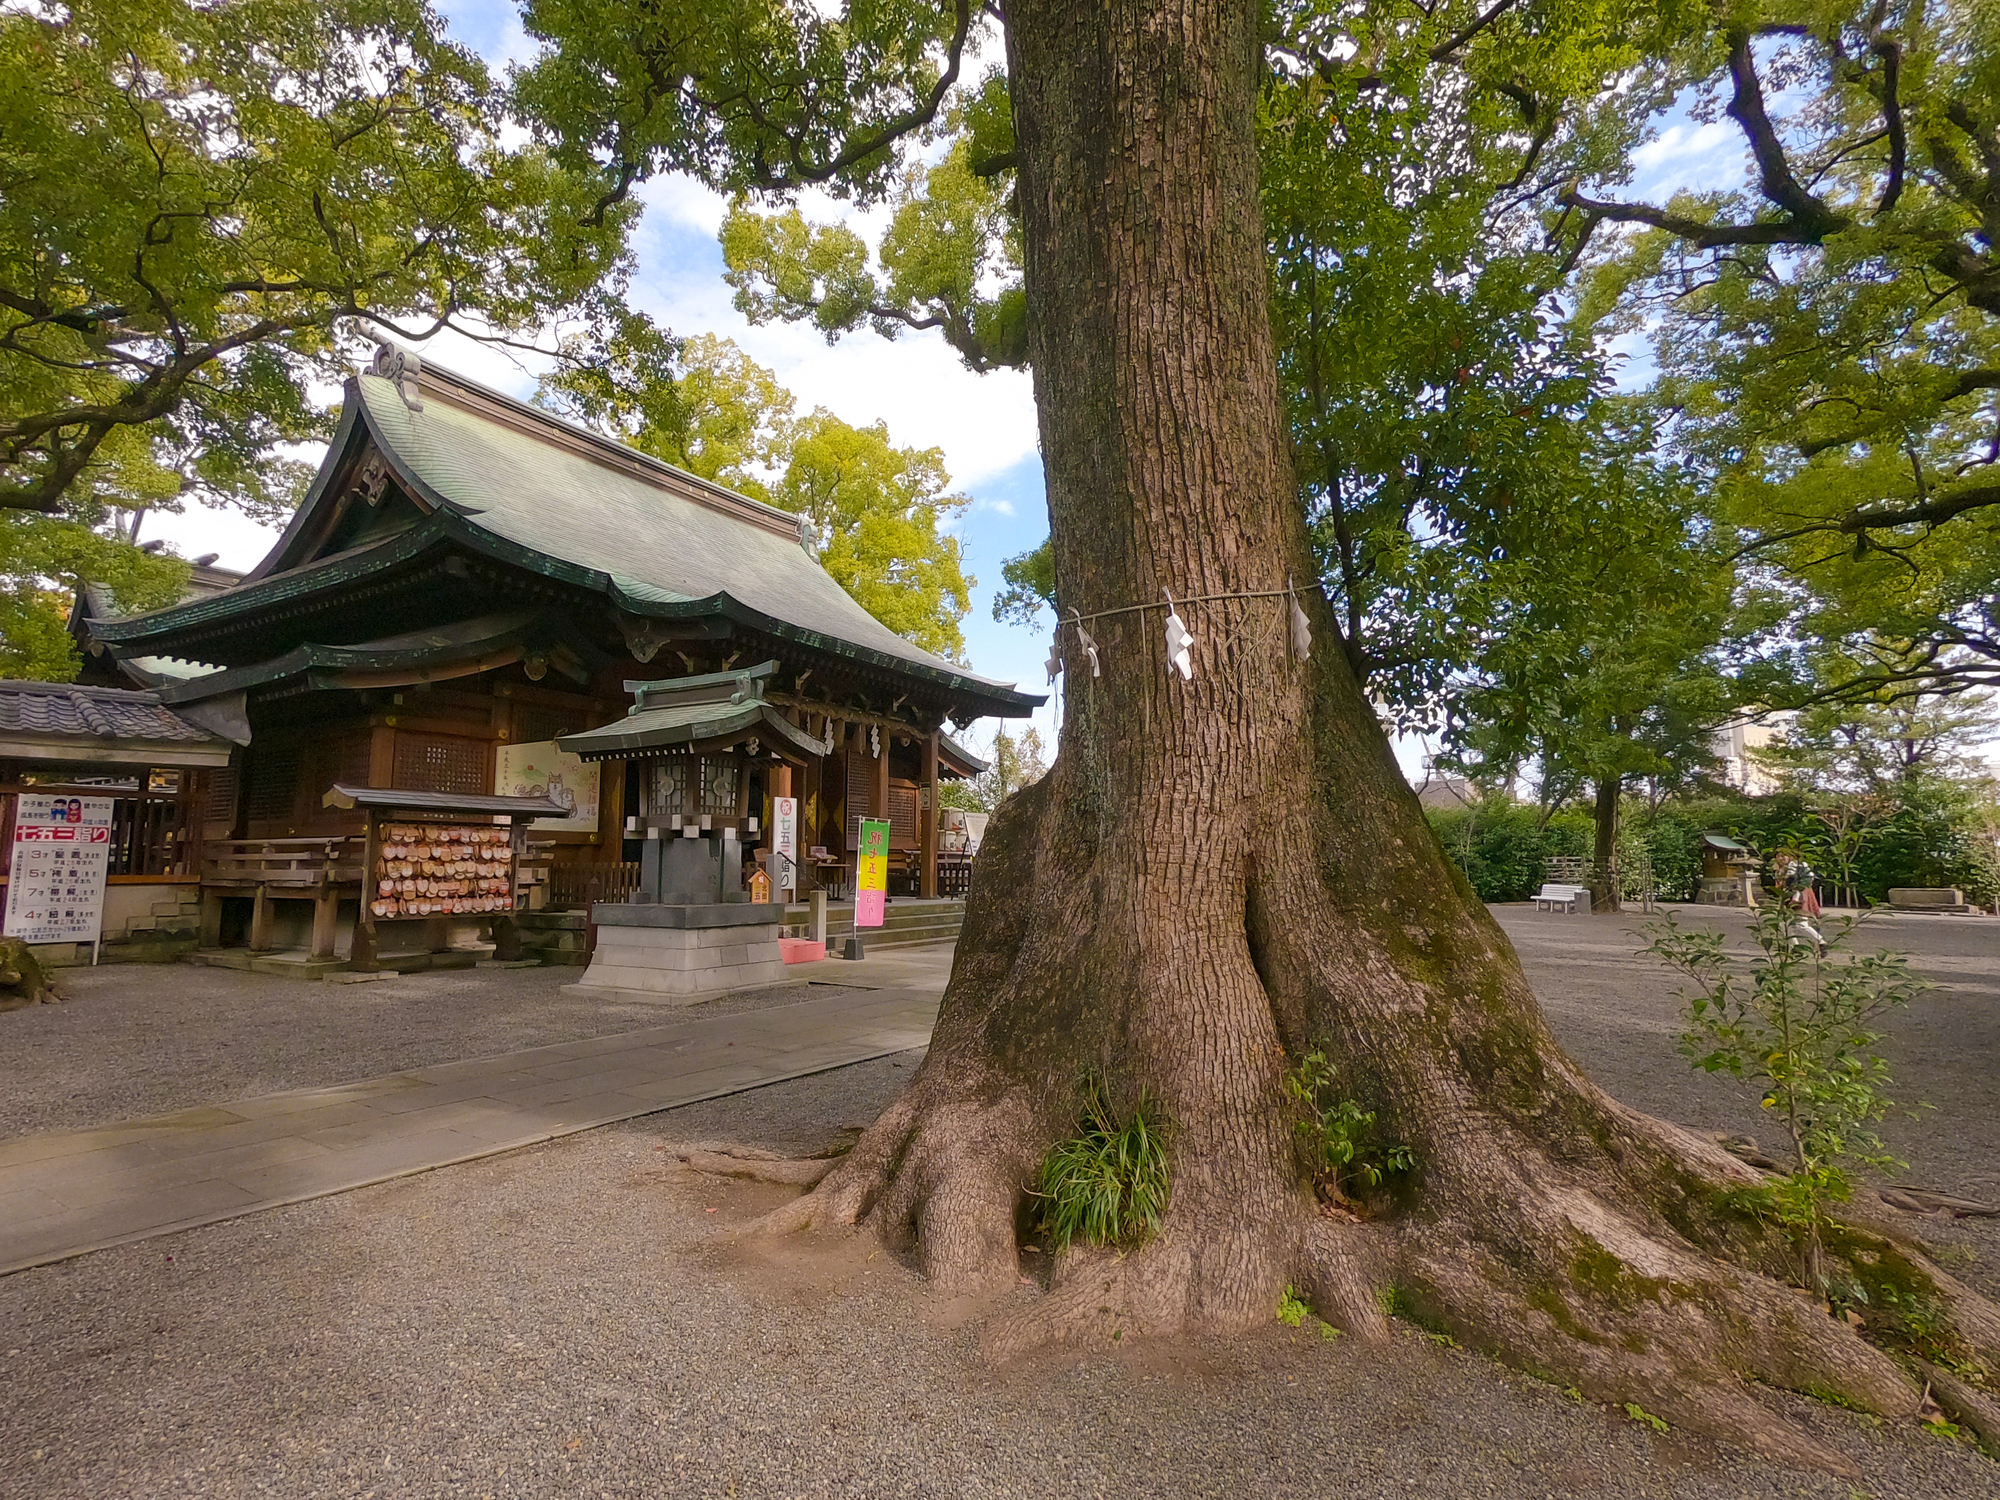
(200, 205)
(1828, 335)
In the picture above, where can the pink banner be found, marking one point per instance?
(868, 907)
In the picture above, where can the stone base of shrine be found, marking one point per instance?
(669, 955)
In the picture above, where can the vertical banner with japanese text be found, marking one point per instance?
(871, 887)
(55, 882)
(784, 846)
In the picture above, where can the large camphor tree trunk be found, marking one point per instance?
(1218, 875)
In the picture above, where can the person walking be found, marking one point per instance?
(1796, 894)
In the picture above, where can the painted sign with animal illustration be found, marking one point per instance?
(540, 770)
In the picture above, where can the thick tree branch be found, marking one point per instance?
(1891, 54)
(1932, 510)
(1702, 236)
(1451, 44)
(1774, 172)
(1964, 384)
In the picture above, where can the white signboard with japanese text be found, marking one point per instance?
(55, 881)
(785, 843)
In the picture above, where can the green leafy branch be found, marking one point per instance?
(1336, 1136)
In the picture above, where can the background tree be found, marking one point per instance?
(1873, 749)
(35, 642)
(1830, 333)
(1224, 872)
(1612, 669)
(194, 201)
(1018, 761)
(878, 513)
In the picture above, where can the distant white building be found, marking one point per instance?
(1735, 744)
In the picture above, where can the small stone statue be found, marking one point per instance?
(22, 982)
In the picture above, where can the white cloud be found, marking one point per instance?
(681, 200)
(1702, 157)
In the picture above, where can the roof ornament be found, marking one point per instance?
(399, 366)
(371, 480)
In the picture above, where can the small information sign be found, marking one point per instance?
(785, 845)
(871, 890)
(61, 855)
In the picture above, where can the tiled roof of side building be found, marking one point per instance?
(61, 710)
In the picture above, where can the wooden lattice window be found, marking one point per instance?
(274, 785)
(902, 817)
(223, 788)
(439, 763)
(860, 780)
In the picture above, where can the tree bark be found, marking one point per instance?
(1219, 875)
(1604, 846)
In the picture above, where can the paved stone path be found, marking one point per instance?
(65, 1194)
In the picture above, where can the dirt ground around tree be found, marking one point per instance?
(571, 1320)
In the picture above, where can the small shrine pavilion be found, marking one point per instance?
(475, 590)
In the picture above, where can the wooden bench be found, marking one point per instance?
(1562, 897)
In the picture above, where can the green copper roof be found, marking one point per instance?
(657, 729)
(661, 536)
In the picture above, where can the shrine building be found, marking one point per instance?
(470, 579)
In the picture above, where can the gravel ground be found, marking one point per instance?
(132, 1040)
(569, 1321)
(1618, 1015)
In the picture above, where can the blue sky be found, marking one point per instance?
(984, 424)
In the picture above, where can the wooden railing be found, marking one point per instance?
(574, 886)
(152, 834)
(291, 862)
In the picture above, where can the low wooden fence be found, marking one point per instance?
(573, 887)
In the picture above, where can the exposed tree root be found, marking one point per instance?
(1966, 1405)
(755, 1166)
(1559, 1280)
(1546, 1224)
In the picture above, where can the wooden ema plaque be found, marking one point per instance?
(441, 870)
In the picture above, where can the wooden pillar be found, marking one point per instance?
(611, 811)
(326, 912)
(211, 920)
(363, 960)
(507, 932)
(927, 819)
(260, 920)
(194, 820)
(381, 757)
